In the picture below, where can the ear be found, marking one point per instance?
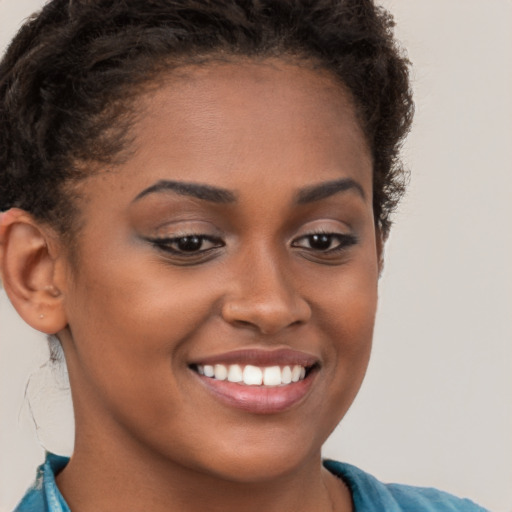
(30, 267)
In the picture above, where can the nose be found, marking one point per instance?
(264, 298)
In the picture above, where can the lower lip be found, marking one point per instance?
(259, 399)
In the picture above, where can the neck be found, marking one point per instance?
(123, 476)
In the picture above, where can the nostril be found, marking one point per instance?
(244, 323)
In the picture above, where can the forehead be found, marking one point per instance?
(233, 123)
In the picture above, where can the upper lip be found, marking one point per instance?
(260, 357)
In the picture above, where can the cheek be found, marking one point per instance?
(130, 326)
(124, 365)
(139, 301)
(346, 315)
(347, 305)
(351, 332)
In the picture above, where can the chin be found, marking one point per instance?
(264, 456)
(260, 467)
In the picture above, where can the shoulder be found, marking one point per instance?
(44, 496)
(371, 495)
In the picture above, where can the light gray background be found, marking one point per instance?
(436, 407)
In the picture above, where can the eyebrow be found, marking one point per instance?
(198, 190)
(223, 196)
(327, 189)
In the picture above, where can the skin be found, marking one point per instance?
(132, 316)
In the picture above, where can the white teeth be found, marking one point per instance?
(253, 375)
(208, 370)
(272, 376)
(235, 373)
(221, 372)
(286, 375)
(296, 371)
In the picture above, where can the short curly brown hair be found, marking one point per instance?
(68, 78)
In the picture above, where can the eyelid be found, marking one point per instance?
(180, 257)
(332, 222)
(180, 228)
(343, 239)
(346, 239)
(175, 238)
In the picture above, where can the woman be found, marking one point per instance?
(196, 198)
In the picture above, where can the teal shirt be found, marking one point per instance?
(368, 494)
(44, 495)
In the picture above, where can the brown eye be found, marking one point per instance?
(320, 242)
(325, 242)
(187, 244)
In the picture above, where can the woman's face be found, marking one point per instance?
(238, 238)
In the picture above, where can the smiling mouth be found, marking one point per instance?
(250, 375)
(258, 381)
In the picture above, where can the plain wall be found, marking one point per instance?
(436, 406)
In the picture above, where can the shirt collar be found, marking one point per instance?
(52, 466)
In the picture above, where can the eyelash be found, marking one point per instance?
(165, 244)
(344, 241)
(198, 240)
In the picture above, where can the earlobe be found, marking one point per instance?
(29, 259)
